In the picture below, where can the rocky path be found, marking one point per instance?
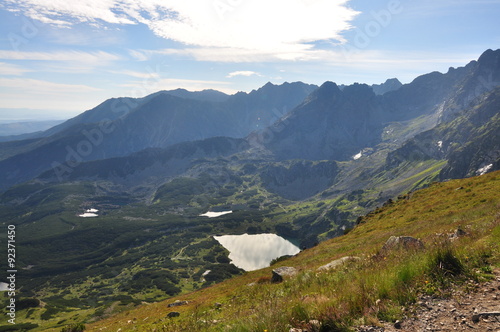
(473, 311)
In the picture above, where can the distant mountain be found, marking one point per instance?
(115, 108)
(7, 130)
(121, 126)
(204, 95)
(331, 124)
(288, 121)
(470, 143)
(152, 165)
(336, 124)
(333, 139)
(390, 84)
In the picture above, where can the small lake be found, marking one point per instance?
(253, 252)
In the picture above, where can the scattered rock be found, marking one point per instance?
(405, 242)
(397, 325)
(457, 234)
(173, 314)
(338, 262)
(315, 324)
(217, 305)
(281, 272)
(473, 308)
(369, 329)
(476, 317)
(177, 303)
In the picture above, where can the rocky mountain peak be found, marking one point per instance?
(358, 91)
(326, 90)
(390, 84)
(490, 58)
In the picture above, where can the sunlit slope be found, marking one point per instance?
(374, 288)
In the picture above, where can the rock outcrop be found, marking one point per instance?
(338, 262)
(281, 273)
(177, 303)
(402, 242)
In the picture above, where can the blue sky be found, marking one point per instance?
(59, 58)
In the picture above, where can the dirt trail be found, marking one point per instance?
(462, 312)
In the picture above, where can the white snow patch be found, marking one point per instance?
(484, 170)
(88, 215)
(92, 211)
(206, 272)
(211, 214)
(357, 156)
(440, 144)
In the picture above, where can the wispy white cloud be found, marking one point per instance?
(260, 27)
(140, 55)
(65, 13)
(144, 75)
(85, 36)
(30, 85)
(8, 69)
(68, 62)
(70, 56)
(246, 73)
(231, 55)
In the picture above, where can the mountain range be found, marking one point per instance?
(299, 160)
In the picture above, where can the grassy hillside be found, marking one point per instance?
(134, 253)
(379, 286)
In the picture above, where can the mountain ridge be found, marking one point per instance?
(127, 125)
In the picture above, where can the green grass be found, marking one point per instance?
(377, 287)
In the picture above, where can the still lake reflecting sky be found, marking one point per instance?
(253, 252)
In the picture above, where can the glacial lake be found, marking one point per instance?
(253, 252)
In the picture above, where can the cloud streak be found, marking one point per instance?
(71, 56)
(43, 87)
(7, 69)
(246, 73)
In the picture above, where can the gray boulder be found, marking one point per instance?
(173, 314)
(281, 272)
(338, 262)
(402, 242)
(177, 303)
